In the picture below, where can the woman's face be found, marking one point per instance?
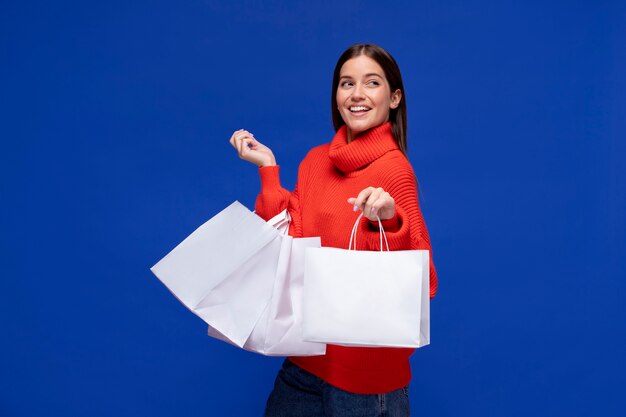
(363, 95)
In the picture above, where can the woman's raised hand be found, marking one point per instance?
(375, 203)
(251, 150)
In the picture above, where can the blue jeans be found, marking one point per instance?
(298, 393)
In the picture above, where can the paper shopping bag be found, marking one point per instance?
(367, 298)
(224, 271)
(279, 330)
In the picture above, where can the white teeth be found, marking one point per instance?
(359, 108)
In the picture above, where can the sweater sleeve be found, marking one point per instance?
(420, 238)
(273, 199)
(407, 229)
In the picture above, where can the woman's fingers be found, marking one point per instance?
(362, 198)
(365, 199)
(237, 134)
(385, 206)
(375, 203)
(240, 145)
(382, 198)
(235, 137)
(367, 202)
(251, 150)
(241, 141)
(247, 145)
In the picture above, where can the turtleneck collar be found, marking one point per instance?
(363, 149)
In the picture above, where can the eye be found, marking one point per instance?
(373, 83)
(346, 84)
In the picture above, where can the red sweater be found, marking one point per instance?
(327, 177)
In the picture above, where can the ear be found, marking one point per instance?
(396, 96)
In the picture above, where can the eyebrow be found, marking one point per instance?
(366, 75)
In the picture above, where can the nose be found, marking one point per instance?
(357, 92)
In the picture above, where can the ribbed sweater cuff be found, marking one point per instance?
(270, 177)
(390, 225)
(396, 229)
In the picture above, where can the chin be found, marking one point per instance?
(357, 130)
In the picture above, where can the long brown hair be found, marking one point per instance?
(397, 116)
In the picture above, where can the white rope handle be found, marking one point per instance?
(380, 229)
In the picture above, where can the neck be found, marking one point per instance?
(350, 136)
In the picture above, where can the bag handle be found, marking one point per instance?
(380, 228)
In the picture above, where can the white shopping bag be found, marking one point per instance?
(367, 298)
(281, 221)
(279, 330)
(224, 271)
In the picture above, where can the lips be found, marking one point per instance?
(359, 109)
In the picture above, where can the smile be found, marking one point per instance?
(356, 109)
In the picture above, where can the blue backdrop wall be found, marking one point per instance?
(115, 119)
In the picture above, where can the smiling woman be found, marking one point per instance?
(390, 72)
(364, 165)
(364, 96)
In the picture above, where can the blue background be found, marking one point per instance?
(115, 119)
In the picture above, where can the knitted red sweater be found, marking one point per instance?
(327, 177)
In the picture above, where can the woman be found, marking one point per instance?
(365, 168)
